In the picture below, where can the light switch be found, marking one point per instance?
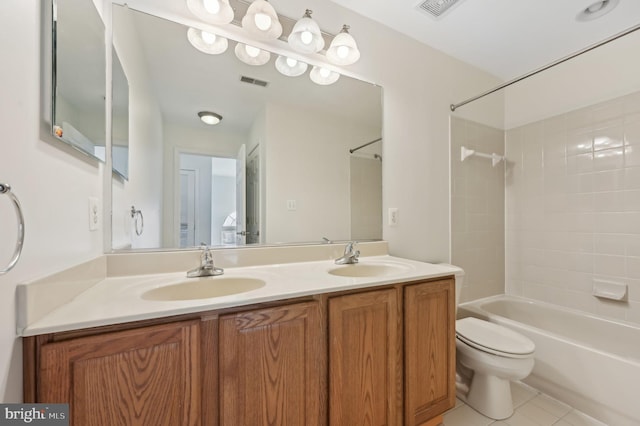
(291, 205)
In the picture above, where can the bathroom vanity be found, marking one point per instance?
(336, 350)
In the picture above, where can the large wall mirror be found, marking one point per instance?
(78, 76)
(277, 168)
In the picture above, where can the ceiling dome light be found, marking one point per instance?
(323, 76)
(305, 36)
(251, 55)
(210, 118)
(207, 42)
(290, 67)
(596, 10)
(212, 11)
(261, 20)
(343, 49)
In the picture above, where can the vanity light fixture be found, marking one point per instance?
(290, 67)
(210, 118)
(343, 49)
(207, 42)
(261, 20)
(212, 11)
(305, 36)
(251, 55)
(323, 76)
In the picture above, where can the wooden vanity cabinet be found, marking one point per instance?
(383, 356)
(272, 367)
(392, 355)
(429, 350)
(144, 376)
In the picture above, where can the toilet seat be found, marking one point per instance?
(493, 338)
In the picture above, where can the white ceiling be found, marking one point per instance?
(507, 38)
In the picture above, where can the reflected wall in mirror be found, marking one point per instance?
(120, 118)
(277, 169)
(78, 76)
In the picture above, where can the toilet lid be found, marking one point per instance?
(493, 338)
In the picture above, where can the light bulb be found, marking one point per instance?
(342, 52)
(325, 72)
(208, 37)
(306, 37)
(263, 21)
(212, 6)
(252, 51)
(292, 62)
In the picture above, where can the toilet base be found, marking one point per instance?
(491, 396)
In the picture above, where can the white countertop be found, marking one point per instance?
(115, 300)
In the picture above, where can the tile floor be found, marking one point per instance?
(532, 408)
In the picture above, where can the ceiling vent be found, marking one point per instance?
(436, 8)
(255, 81)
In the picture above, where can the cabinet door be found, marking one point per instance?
(364, 359)
(429, 315)
(146, 376)
(272, 367)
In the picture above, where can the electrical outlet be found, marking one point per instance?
(393, 216)
(291, 205)
(94, 214)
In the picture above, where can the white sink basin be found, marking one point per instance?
(203, 288)
(368, 270)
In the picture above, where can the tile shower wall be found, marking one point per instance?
(573, 207)
(477, 205)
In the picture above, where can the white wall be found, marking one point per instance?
(52, 182)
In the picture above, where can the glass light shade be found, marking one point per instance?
(212, 11)
(343, 49)
(290, 67)
(323, 76)
(305, 36)
(207, 42)
(210, 118)
(261, 20)
(251, 55)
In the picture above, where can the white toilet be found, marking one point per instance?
(488, 357)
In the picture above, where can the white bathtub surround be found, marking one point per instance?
(588, 362)
(531, 407)
(573, 207)
(477, 206)
(118, 296)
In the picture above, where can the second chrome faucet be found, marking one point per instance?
(206, 268)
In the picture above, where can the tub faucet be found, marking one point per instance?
(206, 268)
(350, 255)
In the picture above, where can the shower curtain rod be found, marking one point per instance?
(546, 67)
(362, 146)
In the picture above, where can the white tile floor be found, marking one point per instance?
(532, 408)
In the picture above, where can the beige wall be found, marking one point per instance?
(573, 207)
(477, 209)
(601, 74)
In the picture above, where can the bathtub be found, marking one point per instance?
(590, 363)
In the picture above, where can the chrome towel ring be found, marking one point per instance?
(6, 189)
(139, 226)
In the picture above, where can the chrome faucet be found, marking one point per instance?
(206, 268)
(350, 255)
